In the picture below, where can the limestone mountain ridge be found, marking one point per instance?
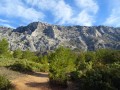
(38, 36)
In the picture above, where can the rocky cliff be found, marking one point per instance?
(39, 36)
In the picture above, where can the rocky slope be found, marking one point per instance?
(39, 36)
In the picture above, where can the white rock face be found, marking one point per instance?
(41, 37)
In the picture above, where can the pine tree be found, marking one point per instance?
(4, 47)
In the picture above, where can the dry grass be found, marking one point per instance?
(10, 74)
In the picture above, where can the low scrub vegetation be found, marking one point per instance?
(5, 84)
(29, 66)
(98, 70)
(62, 62)
(90, 70)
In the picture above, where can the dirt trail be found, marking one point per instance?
(30, 81)
(36, 81)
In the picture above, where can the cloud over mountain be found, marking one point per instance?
(63, 12)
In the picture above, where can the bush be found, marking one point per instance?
(38, 67)
(17, 54)
(29, 66)
(98, 70)
(107, 56)
(5, 84)
(7, 62)
(22, 66)
(100, 79)
(29, 55)
(62, 62)
(44, 68)
(4, 48)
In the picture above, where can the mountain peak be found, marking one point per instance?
(30, 27)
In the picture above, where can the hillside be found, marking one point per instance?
(39, 36)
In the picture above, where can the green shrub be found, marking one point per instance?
(62, 62)
(4, 48)
(17, 54)
(107, 56)
(44, 68)
(29, 66)
(38, 67)
(100, 79)
(29, 55)
(43, 59)
(98, 70)
(5, 84)
(7, 61)
(22, 66)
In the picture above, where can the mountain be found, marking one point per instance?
(38, 36)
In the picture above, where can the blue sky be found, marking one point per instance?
(14, 13)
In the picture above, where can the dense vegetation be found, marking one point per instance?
(62, 62)
(91, 70)
(5, 84)
(98, 70)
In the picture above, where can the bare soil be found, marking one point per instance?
(31, 81)
(36, 81)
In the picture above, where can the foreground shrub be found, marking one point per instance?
(22, 66)
(107, 56)
(7, 62)
(29, 66)
(98, 70)
(5, 84)
(62, 62)
(100, 79)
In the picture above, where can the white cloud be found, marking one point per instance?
(88, 5)
(7, 25)
(114, 18)
(42, 4)
(61, 11)
(64, 14)
(4, 21)
(83, 18)
(18, 9)
(86, 16)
